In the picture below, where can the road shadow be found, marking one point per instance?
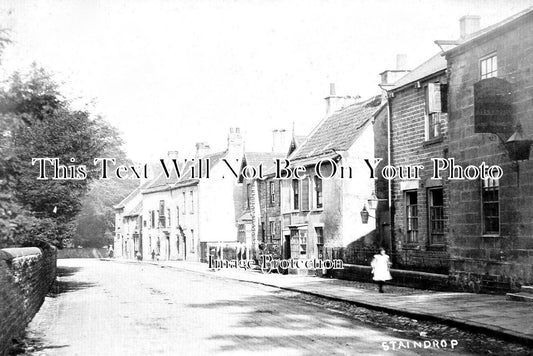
(64, 271)
(26, 346)
(283, 324)
(64, 284)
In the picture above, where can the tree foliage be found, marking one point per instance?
(95, 223)
(36, 121)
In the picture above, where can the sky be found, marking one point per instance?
(169, 74)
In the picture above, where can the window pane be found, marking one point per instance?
(412, 216)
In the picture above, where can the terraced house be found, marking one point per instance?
(418, 132)
(321, 216)
(181, 217)
(128, 225)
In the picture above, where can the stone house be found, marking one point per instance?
(128, 226)
(416, 105)
(321, 211)
(170, 218)
(490, 113)
(181, 217)
(259, 223)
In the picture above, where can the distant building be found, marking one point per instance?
(186, 215)
(128, 225)
(179, 218)
(259, 222)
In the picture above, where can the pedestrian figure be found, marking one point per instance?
(381, 268)
(153, 255)
(110, 252)
(139, 256)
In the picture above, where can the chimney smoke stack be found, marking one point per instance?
(335, 102)
(173, 155)
(401, 62)
(279, 143)
(202, 149)
(332, 89)
(468, 25)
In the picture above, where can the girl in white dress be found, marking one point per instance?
(381, 268)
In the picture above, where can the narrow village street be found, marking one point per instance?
(107, 308)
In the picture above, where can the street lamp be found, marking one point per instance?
(372, 205)
(373, 201)
(518, 146)
(364, 215)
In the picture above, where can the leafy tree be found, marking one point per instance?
(95, 224)
(38, 122)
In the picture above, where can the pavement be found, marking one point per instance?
(490, 314)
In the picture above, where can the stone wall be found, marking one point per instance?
(26, 275)
(83, 253)
(399, 277)
(503, 260)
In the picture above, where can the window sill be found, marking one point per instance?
(437, 247)
(411, 246)
(433, 141)
(490, 235)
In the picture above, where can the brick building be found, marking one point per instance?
(491, 221)
(416, 104)
(260, 221)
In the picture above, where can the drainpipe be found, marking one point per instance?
(389, 142)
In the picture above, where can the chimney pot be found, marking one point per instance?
(202, 149)
(468, 25)
(332, 89)
(279, 143)
(173, 154)
(401, 62)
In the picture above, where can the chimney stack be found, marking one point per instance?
(279, 143)
(468, 25)
(335, 102)
(235, 143)
(391, 76)
(173, 155)
(332, 89)
(202, 149)
(401, 62)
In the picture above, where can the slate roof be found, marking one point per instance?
(128, 198)
(136, 210)
(433, 65)
(266, 158)
(161, 182)
(296, 142)
(299, 139)
(338, 131)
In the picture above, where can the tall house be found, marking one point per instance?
(491, 120)
(259, 220)
(418, 131)
(321, 212)
(183, 217)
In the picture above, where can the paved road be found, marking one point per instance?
(107, 308)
